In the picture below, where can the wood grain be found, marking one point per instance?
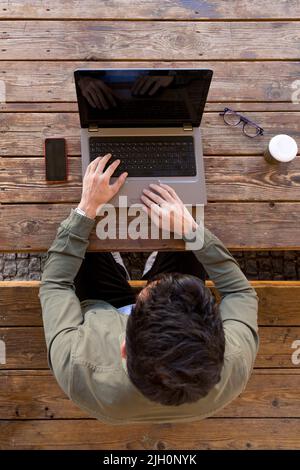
(208, 434)
(36, 395)
(221, 139)
(23, 134)
(23, 180)
(232, 82)
(252, 225)
(152, 9)
(227, 178)
(19, 305)
(71, 107)
(251, 179)
(26, 349)
(278, 303)
(113, 40)
(267, 394)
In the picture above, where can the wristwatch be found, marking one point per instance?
(81, 212)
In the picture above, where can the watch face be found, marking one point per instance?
(79, 211)
(82, 212)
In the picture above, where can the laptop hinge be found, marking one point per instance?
(187, 127)
(93, 128)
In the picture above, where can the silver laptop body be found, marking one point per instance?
(191, 189)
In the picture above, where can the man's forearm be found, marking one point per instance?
(60, 306)
(239, 300)
(220, 265)
(67, 250)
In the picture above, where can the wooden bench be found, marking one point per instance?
(35, 413)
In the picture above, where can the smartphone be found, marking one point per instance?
(55, 160)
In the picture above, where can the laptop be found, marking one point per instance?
(150, 120)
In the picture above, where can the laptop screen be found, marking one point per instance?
(141, 98)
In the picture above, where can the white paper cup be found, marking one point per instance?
(281, 149)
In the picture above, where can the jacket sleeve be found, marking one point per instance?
(61, 309)
(239, 304)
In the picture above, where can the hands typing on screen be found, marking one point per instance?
(99, 95)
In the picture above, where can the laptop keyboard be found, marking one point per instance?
(148, 155)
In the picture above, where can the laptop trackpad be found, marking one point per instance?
(173, 183)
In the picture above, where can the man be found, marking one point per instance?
(171, 354)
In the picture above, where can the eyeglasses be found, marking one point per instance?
(232, 118)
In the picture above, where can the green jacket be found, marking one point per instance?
(84, 339)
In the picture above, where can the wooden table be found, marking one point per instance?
(254, 53)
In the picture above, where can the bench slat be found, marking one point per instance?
(36, 395)
(213, 433)
(278, 302)
(26, 349)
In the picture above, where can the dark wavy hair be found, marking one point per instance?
(175, 340)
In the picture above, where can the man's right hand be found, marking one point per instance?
(96, 187)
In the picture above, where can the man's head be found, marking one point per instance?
(175, 340)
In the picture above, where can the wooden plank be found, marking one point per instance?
(241, 106)
(36, 395)
(23, 134)
(70, 107)
(202, 435)
(227, 179)
(252, 225)
(98, 40)
(266, 395)
(25, 347)
(23, 180)
(278, 302)
(20, 305)
(39, 227)
(251, 179)
(235, 81)
(137, 283)
(152, 9)
(276, 346)
(28, 131)
(214, 129)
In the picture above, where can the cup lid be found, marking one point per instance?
(283, 148)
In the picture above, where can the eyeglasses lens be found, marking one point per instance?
(231, 118)
(250, 130)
